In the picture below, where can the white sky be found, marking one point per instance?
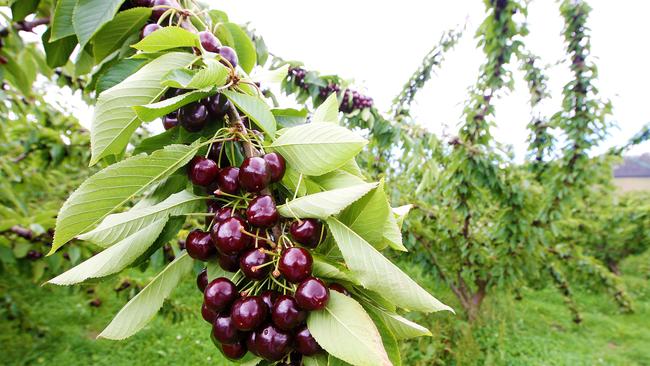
(380, 43)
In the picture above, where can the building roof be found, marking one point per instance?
(634, 166)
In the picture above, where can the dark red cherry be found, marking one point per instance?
(229, 263)
(248, 313)
(307, 232)
(202, 280)
(228, 179)
(199, 245)
(312, 294)
(261, 212)
(219, 294)
(295, 264)
(276, 166)
(170, 121)
(272, 343)
(142, 3)
(224, 213)
(230, 55)
(305, 342)
(254, 174)
(228, 236)
(203, 171)
(286, 314)
(223, 330)
(339, 288)
(250, 263)
(250, 343)
(193, 116)
(217, 105)
(207, 313)
(269, 297)
(209, 42)
(161, 6)
(148, 29)
(234, 351)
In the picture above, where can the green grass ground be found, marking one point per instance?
(56, 326)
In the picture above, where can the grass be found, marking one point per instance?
(56, 326)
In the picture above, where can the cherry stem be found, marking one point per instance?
(257, 236)
(256, 268)
(280, 284)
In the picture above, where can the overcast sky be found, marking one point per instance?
(380, 43)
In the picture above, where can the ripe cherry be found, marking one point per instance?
(250, 263)
(286, 314)
(276, 165)
(207, 313)
(248, 313)
(217, 105)
(228, 179)
(223, 330)
(161, 6)
(339, 288)
(202, 280)
(148, 29)
(272, 343)
(262, 212)
(193, 116)
(209, 42)
(142, 3)
(170, 121)
(295, 264)
(203, 171)
(228, 236)
(307, 232)
(269, 297)
(312, 294)
(229, 54)
(224, 213)
(229, 263)
(254, 174)
(234, 351)
(199, 245)
(250, 343)
(219, 294)
(305, 342)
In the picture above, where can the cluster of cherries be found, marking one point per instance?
(352, 99)
(264, 310)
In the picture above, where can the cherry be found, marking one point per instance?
(272, 343)
(229, 263)
(248, 313)
(158, 12)
(228, 179)
(142, 3)
(199, 245)
(230, 55)
(262, 212)
(234, 351)
(217, 105)
(219, 294)
(223, 330)
(276, 165)
(207, 313)
(269, 297)
(254, 174)
(202, 280)
(228, 236)
(224, 213)
(250, 343)
(339, 288)
(286, 314)
(295, 264)
(307, 232)
(209, 42)
(193, 116)
(148, 29)
(305, 342)
(170, 121)
(249, 264)
(312, 294)
(203, 171)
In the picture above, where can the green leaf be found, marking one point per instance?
(275, 76)
(111, 188)
(328, 111)
(114, 258)
(337, 179)
(289, 117)
(118, 73)
(345, 330)
(112, 35)
(169, 232)
(142, 308)
(167, 38)
(231, 35)
(214, 270)
(318, 148)
(401, 213)
(322, 268)
(319, 359)
(399, 326)
(58, 52)
(255, 109)
(115, 120)
(368, 215)
(118, 226)
(62, 22)
(392, 234)
(217, 16)
(324, 204)
(388, 339)
(214, 74)
(377, 273)
(90, 15)
(21, 9)
(149, 112)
